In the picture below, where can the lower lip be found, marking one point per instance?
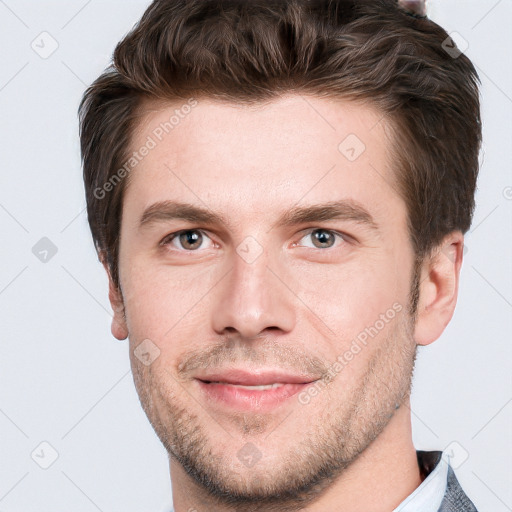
(250, 399)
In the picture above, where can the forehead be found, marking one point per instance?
(264, 157)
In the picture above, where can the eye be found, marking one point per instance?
(322, 238)
(189, 240)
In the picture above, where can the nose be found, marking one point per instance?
(252, 298)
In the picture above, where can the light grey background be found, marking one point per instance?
(66, 381)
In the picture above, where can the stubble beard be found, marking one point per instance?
(307, 465)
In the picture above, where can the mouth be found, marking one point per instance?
(244, 386)
(250, 391)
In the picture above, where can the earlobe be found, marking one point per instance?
(438, 289)
(118, 327)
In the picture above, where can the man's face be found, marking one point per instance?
(267, 289)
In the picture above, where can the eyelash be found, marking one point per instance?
(172, 236)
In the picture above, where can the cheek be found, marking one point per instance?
(349, 298)
(160, 301)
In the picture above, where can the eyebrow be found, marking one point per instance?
(346, 209)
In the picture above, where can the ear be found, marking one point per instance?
(118, 327)
(438, 288)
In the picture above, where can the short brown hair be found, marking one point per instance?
(252, 51)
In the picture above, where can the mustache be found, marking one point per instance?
(237, 351)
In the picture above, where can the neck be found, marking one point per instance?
(388, 468)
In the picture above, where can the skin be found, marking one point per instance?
(297, 306)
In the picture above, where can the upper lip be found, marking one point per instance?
(255, 377)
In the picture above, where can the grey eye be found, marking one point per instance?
(322, 238)
(191, 239)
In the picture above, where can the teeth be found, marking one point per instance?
(266, 386)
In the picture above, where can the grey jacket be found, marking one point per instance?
(455, 500)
